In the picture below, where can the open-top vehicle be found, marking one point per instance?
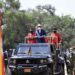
(31, 58)
(37, 58)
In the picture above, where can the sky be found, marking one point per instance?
(63, 7)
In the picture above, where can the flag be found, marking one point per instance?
(2, 67)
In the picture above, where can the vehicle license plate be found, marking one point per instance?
(27, 70)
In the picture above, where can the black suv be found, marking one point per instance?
(31, 58)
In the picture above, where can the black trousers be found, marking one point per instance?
(53, 48)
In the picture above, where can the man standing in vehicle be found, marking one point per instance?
(55, 39)
(40, 33)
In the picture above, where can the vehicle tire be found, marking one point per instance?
(14, 73)
(7, 71)
(59, 70)
(62, 71)
(49, 71)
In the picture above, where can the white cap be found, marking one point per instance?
(39, 25)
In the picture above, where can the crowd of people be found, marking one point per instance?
(37, 36)
(40, 36)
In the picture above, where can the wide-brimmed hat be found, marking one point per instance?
(39, 25)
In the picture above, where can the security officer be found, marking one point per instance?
(55, 39)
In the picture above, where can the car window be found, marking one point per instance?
(40, 50)
(35, 49)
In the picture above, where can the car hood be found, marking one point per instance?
(31, 56)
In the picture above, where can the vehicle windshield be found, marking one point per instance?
(34, 49)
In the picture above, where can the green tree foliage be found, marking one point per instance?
(18, 23)
(16, 28)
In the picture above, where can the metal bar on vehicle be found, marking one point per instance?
(37, 37)
(48, 38)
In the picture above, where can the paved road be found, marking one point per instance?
(8, 72)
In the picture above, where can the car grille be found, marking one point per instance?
(27, 61)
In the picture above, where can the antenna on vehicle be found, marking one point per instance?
(30, 51)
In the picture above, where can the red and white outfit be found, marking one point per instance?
(55, 39)
(31, 38)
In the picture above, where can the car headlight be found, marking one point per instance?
(50, 60)
(43, 61)
(14, 61)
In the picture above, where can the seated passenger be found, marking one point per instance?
(31, 37)
(40, 33)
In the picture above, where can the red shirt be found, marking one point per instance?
(55, 38)
(31, 38)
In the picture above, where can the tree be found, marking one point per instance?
(17, 24)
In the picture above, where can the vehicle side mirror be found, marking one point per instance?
(13, 51)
